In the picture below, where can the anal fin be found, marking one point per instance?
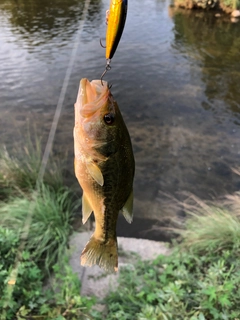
(86, 209)
(128, 208)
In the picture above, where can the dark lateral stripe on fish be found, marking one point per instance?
(109, 228)
(109, 223)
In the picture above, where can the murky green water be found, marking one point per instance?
(175, 75)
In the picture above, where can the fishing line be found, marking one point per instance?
(14, 273)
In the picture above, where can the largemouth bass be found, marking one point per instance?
(104, 167)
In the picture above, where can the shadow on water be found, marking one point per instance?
(143, 228)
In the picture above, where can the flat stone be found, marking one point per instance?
(96, 281)
(146, 249)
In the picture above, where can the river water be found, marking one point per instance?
(175, 75)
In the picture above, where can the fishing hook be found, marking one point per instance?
(108, 67)
(100, 40)
(106, 21)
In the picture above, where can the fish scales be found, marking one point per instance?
(104, 167)
(113, 201)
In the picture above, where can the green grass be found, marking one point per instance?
(233, 4)
(35, 225)
(51, 215)
(181, 286)
(19, 170)
(212, 225)
(29, 299)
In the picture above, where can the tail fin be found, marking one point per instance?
(101, 253)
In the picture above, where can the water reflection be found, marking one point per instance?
(214, 44)
(36, 40)
(39, 21)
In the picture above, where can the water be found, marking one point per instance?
(175, 76)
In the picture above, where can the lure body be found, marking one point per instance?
(116, 21)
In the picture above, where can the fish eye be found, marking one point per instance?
(109, 118)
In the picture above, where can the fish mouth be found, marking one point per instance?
(92, 96)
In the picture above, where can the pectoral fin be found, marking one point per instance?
(95, 172)
(86, 209)
(128, 208)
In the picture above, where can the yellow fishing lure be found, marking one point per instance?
(116, 21)
(115, 17)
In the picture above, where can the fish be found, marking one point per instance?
(116, 17)
(104, 167)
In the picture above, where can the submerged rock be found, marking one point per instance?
(235, 14)
(234, 20)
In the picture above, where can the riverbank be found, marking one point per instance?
(227, 6)
(196, 279)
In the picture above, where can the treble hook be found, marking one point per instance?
(108, 67)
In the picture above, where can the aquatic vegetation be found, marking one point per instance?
(51, 213)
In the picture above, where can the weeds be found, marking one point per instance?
(233, 4)
(199, 280)
(61, 301)
(39, 215)
(183, 286)
(51, 214)
(29, 281)
(211, 226)
(29, 300)
(19, 171)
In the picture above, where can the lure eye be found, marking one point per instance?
(109, 118)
